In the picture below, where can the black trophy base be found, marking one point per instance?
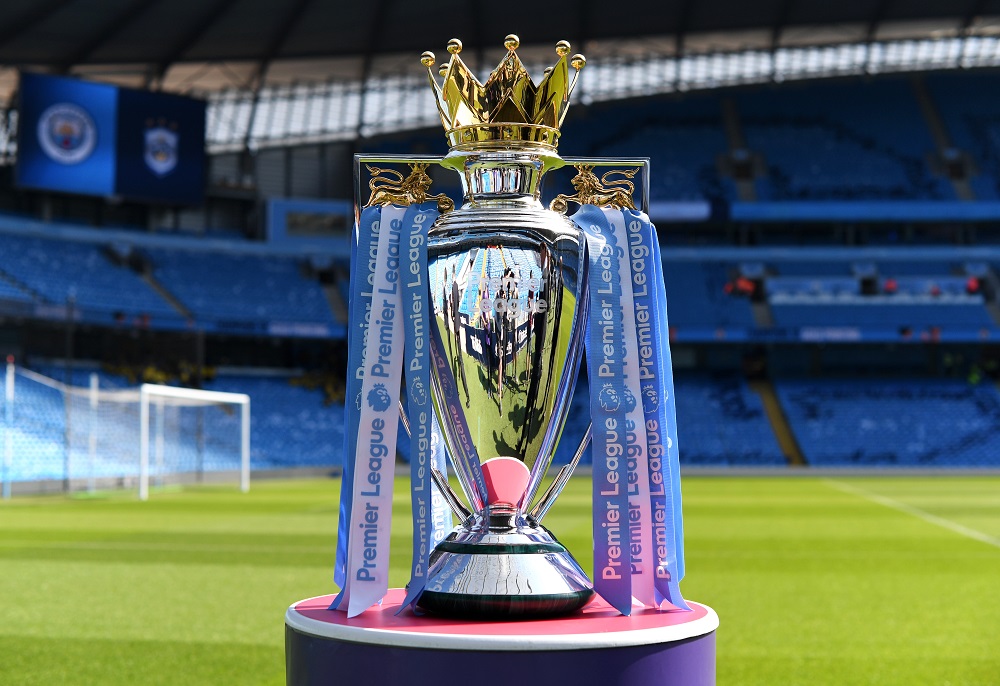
(499, 607)
(521, 573)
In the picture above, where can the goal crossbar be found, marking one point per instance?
(190, 397)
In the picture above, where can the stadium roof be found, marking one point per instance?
(277, 72)
(151, 37)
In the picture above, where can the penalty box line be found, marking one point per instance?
(885, 501)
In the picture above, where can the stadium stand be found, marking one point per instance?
(684, 140)
(824, 293)
(851, 154)
(914, 422)
(134, 278)
(56, 271)
(970, 110)
(720, 421)
(222, 287)
(697, 296)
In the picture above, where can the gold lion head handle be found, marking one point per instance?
(390, 187)
(602, 192)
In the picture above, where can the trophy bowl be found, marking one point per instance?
(508, 286)
(508, 282)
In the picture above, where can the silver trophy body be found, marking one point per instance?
(508, 283)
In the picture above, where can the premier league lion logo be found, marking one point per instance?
(418, 392)
(378, 398)
(629, 399)
(609, 398)
(650, 398)
(357, 401)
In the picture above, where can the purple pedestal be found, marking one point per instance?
(594, 646)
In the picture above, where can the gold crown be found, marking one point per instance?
(509, 110)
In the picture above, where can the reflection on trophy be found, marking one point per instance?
(508, 285)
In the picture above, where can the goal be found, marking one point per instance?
(185, 429)
(59, 436)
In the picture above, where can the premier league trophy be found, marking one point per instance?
(480, 314)
(508, 284)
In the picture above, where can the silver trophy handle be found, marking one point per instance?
(450, 496)
(562, 478)
(402, 418)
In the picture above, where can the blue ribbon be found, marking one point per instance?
(418, 308)
(667, 384)
(605, 370)
(656, 378)
(363, 250)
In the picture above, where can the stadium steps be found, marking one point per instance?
(940, 134)
(993, 309)
(762, 317)
(164, 293)
(336, 302)
(779, 422)
(21, 286)
(992, 306)
(745, 188)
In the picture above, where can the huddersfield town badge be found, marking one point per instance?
(160, 153)
(66, 133)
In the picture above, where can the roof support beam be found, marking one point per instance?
(780, 22)
(381, 8)
(478, 39)
(873, 23)
(278, 40)
(108, 31)
(683, 20)
(37, 14)
(881, 9)
(177, 50)
(975, 9)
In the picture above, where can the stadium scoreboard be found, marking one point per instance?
(97, 139)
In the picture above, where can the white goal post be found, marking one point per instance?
(160, 397)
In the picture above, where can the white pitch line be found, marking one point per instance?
(915, 511)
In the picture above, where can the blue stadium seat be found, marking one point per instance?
(720, 422)
(916, 422)
(820, 141)
(696, 296)
(969, 105)
(57, 270)
(226, 287)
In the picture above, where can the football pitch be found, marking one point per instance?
(842, 580)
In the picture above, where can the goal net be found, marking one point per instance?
(89, 436)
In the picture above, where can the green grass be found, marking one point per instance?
(815, 581)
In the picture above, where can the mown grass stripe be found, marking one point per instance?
(885, 501)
